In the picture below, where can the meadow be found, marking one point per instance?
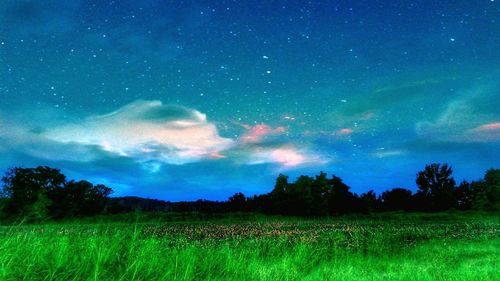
(149, 247)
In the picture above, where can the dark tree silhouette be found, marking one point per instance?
(27, 189)
(237, 202)
(311, 196)
(276, 201)
(280, 186)
(340, 199)
(397, 199)
(436, 186)
(320, 190)
(369, 201)
(82, 198)
(301, 198)
(43, 192)
(464, 196)
(487, 191)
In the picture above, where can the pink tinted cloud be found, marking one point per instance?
(258, 132)
(488, 127)
(217, 155)
(285, 156)
(485, 133)
(345, 131)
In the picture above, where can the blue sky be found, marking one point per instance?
(182, 100)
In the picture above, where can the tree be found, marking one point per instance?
(25, 186)
(464, 196)
(309, 196)
(237, 202)
(84, 199)
(397, 199)
(486, 192)
(301, 198)
(340, 199)
(281, 185)
(276, 200)
(436, 185)
(319, 194)
(44, 192)
(369, 201)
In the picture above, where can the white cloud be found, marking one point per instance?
(383, 153)
(147, 130)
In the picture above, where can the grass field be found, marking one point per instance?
(388, 247)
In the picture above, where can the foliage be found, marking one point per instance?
(25, 186)
(486, 193)
(437, 191)
(397, 199)
(43, 192)
(320, 196)
(436, 186)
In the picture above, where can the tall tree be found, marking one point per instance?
(340, 199)
(320, 190)
(300, 198)
(237, 202)
(436, 185)
(281, 185)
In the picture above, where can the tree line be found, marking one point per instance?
(320, 195)
(44, 192)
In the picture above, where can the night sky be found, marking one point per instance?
(181, 100)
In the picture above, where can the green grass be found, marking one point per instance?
(386, 247)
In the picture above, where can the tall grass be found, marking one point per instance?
(290, 249)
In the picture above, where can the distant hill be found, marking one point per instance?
(133, 203)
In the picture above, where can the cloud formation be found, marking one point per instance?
(487, 132)
(152, 134)
(345, 131)
(383, 153)
(285, 156)
(147, 130)
(463, 121)
(258, 132)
